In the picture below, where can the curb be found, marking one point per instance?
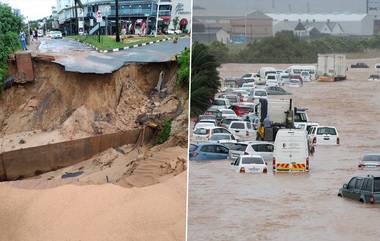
(127, 47)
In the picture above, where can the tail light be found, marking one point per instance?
(242, 170)
(265, 170)
(372, 199)
(307, 164)
(315, 140)
(337, 141)
(194, 154)
(274, 163)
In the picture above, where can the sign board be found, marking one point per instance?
(99, 17)
(81, 24)
(91, 22)
(373, 7)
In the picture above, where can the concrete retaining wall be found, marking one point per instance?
(32, 161)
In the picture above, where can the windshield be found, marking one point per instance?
(220, 137)
(326, 131)
(201, 131)
(252, 160)
(228, 112)
(238, 147)
(376, 184)
(260, 93)
(238, 125)
(371, 158)
(219, 102)
(271, 77)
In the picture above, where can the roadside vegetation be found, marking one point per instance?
(109, 42)
(184, 70)
(164, 134)
(285, 47)
(204, 78)
(10, 26)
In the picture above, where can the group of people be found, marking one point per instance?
(33, 37)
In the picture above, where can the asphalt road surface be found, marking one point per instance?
(77, 57)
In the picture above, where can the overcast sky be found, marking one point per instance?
(240, 7)
(33, 9)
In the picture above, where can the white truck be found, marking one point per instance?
(332, 67)
(263, 72)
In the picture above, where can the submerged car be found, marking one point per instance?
(370, 161)
(374, 77)
(363, 189)
(275, 90)
(208, 151)
(250, 164)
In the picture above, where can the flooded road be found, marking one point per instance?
(225, 205)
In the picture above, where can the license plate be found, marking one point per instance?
(254, 169)
(326, 139)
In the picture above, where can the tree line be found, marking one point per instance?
(285, 47)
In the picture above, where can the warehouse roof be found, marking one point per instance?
(338, 17)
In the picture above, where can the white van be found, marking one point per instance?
(291, 151)
(264, 71)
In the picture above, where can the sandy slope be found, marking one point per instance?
(94, 212)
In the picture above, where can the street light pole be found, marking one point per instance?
(158, 9)
(117, 21)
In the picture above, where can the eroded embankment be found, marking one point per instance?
(62, 106)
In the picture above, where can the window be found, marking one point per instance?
(238, 147)
(367, 186)
(237, 162)
(252, 160)
(359, 182)
(376, 186)
(220, 137)
(371, 158)
(192, 147)
(221, 149)
(238, 125)
(219, 102)
(326, 131)
(263, 147)
(351, 184)
(208, 148)
(201, 131)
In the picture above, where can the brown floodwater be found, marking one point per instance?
(225, 205)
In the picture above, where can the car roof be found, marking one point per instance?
(333, 127)
(255, 142)
(372, 154)
(255, 156)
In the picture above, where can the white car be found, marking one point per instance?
(306, 76)
(294, 83)
(261, 148)
(250, 77)
(374, 77)
(221, 103)
(222, 138)
(250, 164)
(203, 134)
(56, 34)
(242, 130)
(272, 83)
(260, 94)
(249, 85)
(324, 135)
(228, 114)
(204, 125)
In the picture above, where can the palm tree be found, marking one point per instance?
(204, 78)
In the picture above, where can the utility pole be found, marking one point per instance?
(76, 18)
(117, 21)
(158, 9)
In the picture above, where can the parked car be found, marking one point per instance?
(250, 164)
(222, 137)
(359, 65)
(56, 35)
(242, 130)
(208, 151)
(227, 121)
(261, 148)
(253, 119)
(370, 161)
(203, 134)
(204, 125)
(363, 189)
(271, 82)
(295, 83)
(241, 109)
(276, 90)
(249, 85)
(221, 103)
(228, 113)
(374, 77)
(325, 135)
(260, 94)
(234, 99)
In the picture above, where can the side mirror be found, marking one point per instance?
(345, 186)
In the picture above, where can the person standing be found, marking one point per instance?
(23, 40)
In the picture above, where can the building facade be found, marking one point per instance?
(134, 15)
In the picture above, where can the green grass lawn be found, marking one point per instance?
(109, 42)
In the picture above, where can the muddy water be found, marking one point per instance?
(224, 205)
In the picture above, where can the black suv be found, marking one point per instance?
(364, 189)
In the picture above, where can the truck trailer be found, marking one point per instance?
(332, 67)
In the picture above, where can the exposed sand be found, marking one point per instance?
(89, 213)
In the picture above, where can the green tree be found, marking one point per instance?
(10, 26)
(184, 69)
(205, 81)
(175, 22)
